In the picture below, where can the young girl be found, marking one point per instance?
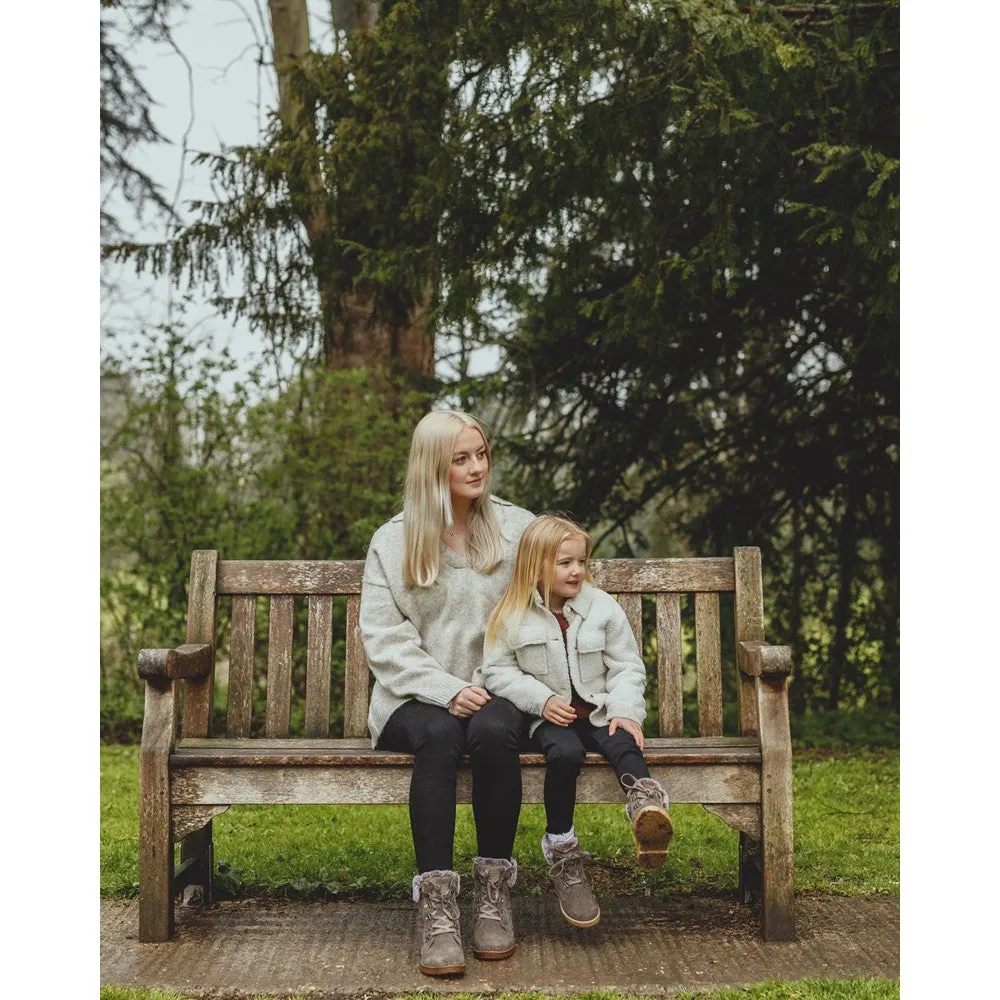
(562, 650)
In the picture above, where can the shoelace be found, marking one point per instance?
(569, 867)
(443, 914)
(642, 792)
(489, 903)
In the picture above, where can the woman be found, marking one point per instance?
(432, 577)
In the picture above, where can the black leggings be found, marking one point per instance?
(564, 748)
(437, 740)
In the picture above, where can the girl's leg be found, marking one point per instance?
(494, 737)
(564, 753)
(437, 741)
(620, 750)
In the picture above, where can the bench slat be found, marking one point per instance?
(749, 626)
(668, 664)
(291, 576)
(709, 656)
(197, 712)
(300, 743)
(617, 576)
(685, 782)
(355, 674)
(319, 646)
(632, 606)
(648, 576)
(279, 666)
(241, 655)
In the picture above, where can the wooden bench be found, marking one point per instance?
(187, 779)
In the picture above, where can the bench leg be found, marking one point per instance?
(156, 847)
(778, 916)
(750, 870)
(197, 847)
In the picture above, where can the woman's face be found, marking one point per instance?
(469, 466)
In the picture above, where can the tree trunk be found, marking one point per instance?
(352, 336)
(846, 556)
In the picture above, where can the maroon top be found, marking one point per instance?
(583, 710)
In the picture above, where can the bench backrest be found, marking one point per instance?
(317, 584)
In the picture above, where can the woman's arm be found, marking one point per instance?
(392, 644)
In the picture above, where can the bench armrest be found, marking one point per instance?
(192, 660)
(758, 659)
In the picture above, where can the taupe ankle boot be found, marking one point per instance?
(437, 921)
(646, 808)
(577, 902)
(493, 923)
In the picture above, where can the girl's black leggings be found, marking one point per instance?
(437, 741)
(564, 748)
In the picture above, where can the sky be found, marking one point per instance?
(50, 404)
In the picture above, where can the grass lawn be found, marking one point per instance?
(860, 988)
(846, 841)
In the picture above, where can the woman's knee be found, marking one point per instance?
(439, 734)
(496, 726)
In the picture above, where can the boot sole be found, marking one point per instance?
(445, 970)
(652, 832)
(580, 923)
(494, 956)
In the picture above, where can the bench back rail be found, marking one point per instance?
(284, 583)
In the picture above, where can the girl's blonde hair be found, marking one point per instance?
(427, 507)
(534, 568)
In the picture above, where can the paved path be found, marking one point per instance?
(642, 945)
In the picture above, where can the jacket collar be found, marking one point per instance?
(580, 604)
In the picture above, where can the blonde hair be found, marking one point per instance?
(534, 567)
(427, 509)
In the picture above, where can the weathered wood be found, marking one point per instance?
(758, 659)
(198, 850)
(631, 604)
(749, 613)
(188, 660)
(649, 576)
(333, 753)
(720, 783)
(197, 716)
(265, 576)
(156, 852)
(241, 661)
(708, 652)
(744, 818)
(356, 674)
(669, 664)
(319, 644)
(187, 819)
(279, 666)
(777, 841)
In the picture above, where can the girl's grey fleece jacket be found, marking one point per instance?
(530, 665)
(425, 643)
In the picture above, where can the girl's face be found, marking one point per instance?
(469, 466)
(569, 570)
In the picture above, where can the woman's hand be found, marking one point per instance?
(558, 711)
(468, 701)
(630, 726)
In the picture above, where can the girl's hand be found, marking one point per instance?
(630, 726)
(559, 712)
(468, 701)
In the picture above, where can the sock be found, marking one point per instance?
(553, 840)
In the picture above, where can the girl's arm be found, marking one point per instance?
(393, 645)
(625, 673)
(501, 675)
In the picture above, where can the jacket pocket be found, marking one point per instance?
(590, 646)
(529, 648)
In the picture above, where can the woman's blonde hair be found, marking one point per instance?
(534, 568)
(427, 507)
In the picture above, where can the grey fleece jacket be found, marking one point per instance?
(529, 665)
(425, 643)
